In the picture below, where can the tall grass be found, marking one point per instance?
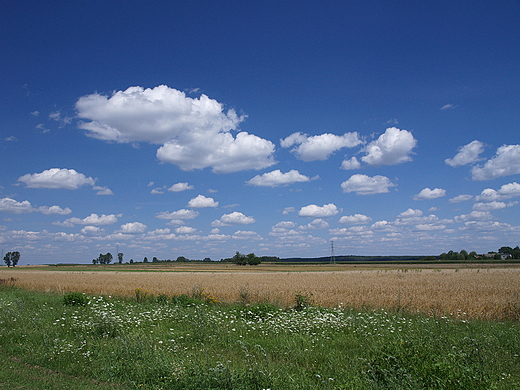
(188, 343)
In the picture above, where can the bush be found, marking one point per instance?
(75, 299)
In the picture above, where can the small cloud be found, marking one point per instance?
(410, 213)
(428, 193)
(11, 138)
(460, 198)
(319, 147)
(506, 162)
(365, 185)
(315, 225)
(133, 228)
(185, 230)
(179, 187)
(392, 147)
(54, 210)
(448, 107)
(495, 205)
(92, 219)
(351, 164)
(288, 210)
(277, 178)
(467, 154)
(201, 201)
(355, 219)
(314, 211)
(235, 218)
(57, 179)
(102, 190)
(35, 113)
(179, 214)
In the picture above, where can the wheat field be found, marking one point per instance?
(486, 293)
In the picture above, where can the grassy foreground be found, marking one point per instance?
(190, 343)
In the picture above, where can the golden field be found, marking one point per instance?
(477, 292)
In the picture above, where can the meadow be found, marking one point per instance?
(259, 329)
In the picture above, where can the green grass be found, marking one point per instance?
(186, 343)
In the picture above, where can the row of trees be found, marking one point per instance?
(11, 259)
(241, 259)
(513, 253)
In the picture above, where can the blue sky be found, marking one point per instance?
(199, 129)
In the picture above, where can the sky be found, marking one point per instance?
(198, 129)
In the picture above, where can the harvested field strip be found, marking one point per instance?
(469, 293)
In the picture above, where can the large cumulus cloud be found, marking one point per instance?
(194, 132)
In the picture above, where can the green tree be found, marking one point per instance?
(145, 260)
(155, 260)
(105, 259)
(120, 258)
(11, 258)
(253, 260)
(239, 259)
(181, 259)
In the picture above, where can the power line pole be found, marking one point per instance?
(332, 255)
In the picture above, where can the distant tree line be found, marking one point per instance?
(505, 251)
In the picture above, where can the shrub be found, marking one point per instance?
(75, 299)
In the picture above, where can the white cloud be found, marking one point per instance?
(285, 224)
(277, 178)
(506, 162)
(355, 219)
(495, 205)
(201, 201)
(246, 235)
(448, 106)
(460, 198)
(102, 190)
(54, 210)
(365, 185)
(178, 187)
(411, 213)
(8, 205)
(475, 216)
(288, 210)
(319, 147)
(185, 230)
(428, 193)
(392, 147)
(92, 230)
(133, 228)
(179, 214)
(467, 154)
(12, 206)
(194, 132)
(316, 224)
(314, 211)
(57, 178)
(92, 219)
(350, 164)
(507, 191)
(235, 218)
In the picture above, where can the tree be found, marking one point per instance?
(120, 258)
(11, 259)
(105, 259)
(250, 259)
(155, 260)
(181, 259)
(145, 260)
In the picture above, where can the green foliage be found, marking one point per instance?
(75, 299)
(195, 345)
(11, 259)
(250, 259)
(302, 301)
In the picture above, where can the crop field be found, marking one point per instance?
(326, 328)
(484, 293)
